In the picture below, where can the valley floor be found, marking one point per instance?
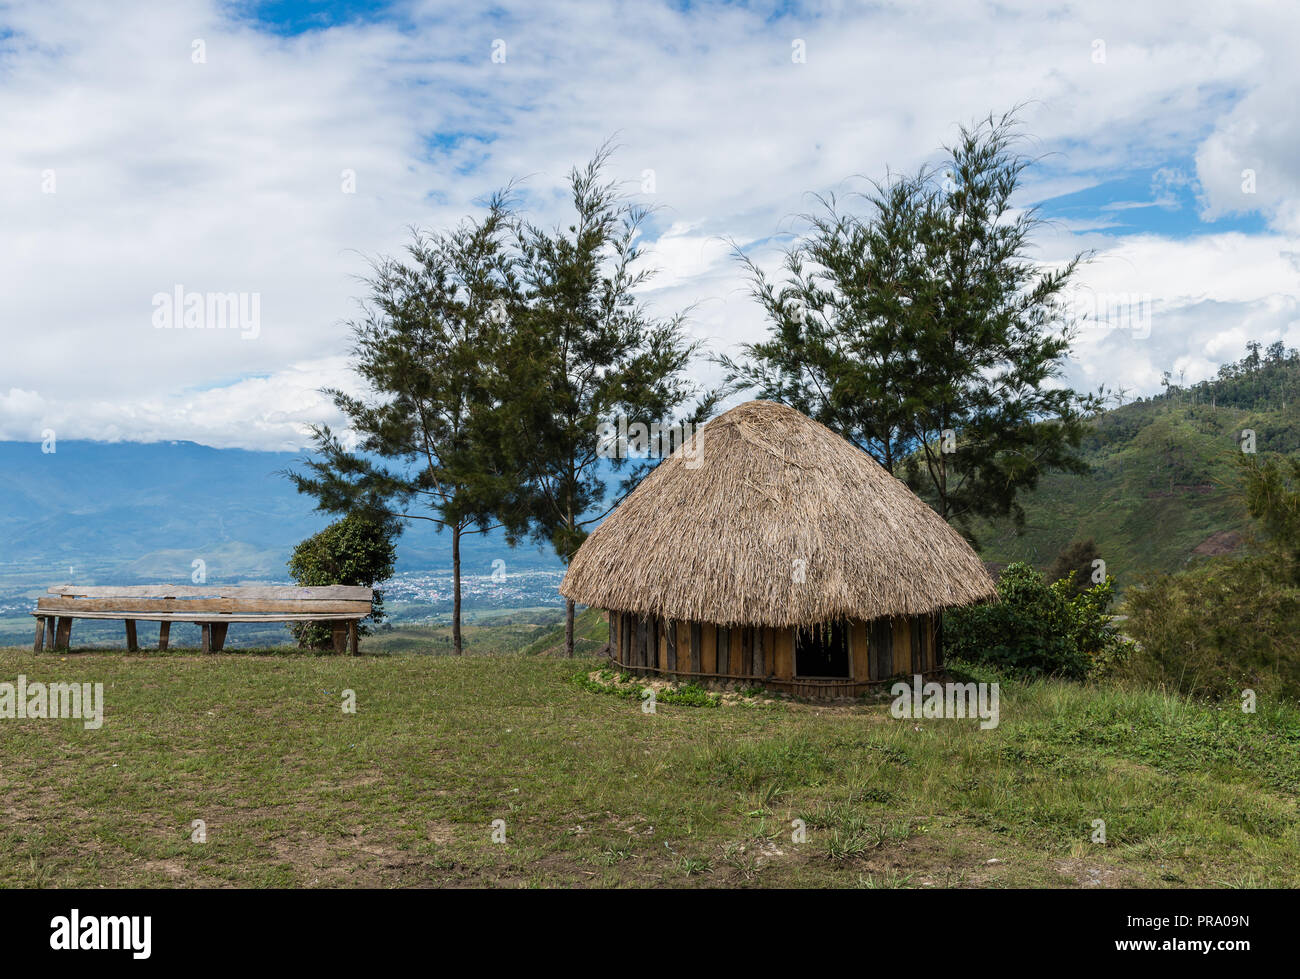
(590, 791)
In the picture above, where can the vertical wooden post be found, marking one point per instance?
(40, 634)
(722, 646)
(338, 636)
(131, 645)
(672, 646)
(206, 629)
(354, 627)
(63, 634)
(219, 630)
(886, 648)
(164, 634)
(760, 651)
(881, 636)
(919, 625)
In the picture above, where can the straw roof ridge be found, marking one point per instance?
(766, 517)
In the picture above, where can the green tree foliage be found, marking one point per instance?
(1217, 629)
(357, 550)
(428, 349)
(1036, 629)
(1074, 565)
(1272, 491)
(585, 350)
(923, 332)
(1229, 624)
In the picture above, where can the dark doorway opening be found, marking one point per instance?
(822, 651)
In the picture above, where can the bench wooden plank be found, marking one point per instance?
(130, 604)
(353, 593)
(211, 607)
(199, 617)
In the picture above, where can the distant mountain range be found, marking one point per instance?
(1162, 491)
(129, 511)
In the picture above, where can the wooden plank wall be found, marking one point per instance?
(878, 650)
(686, 648)
(900, 646)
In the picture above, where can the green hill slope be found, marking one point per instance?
(590, 634)
(1163, 488)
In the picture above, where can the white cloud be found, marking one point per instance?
(226, 176)
(269, 413)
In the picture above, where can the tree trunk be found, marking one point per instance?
(568, 627)
(455, 588)
(568, 602)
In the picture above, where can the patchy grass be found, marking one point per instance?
(530, 631)
(594, 792)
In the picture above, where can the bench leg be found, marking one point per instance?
(40, 635)
(131, 645)
(206, 629)
(63, 635)
(352, 636)
(219, 636)
(339, 636)
(49, 631)
(164, 634)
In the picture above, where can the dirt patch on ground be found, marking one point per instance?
(1223, 542)
(1088, 874)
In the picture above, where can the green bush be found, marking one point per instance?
(1228, 624)
(1218, 628)
(357, 550)
(1036, 629)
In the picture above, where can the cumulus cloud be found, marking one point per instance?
(272, 413)
(274, 165)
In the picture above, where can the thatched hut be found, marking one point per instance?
(769, 550)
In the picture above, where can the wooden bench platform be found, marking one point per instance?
(211, 607)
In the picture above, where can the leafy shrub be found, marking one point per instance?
(1230, 623)
(357, 550)
(689, 695)
(1036, 629)
(1217, 628)
(1075, 563)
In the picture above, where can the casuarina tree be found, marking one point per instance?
(586, 351)
(423, 443)
(923, 331)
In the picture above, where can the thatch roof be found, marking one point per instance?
(721, 540)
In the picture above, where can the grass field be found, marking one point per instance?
(593, 792)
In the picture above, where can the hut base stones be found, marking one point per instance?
(782, 557)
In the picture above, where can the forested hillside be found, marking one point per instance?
(1164, 486)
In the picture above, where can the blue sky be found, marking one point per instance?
(266, 149)
(1160, 200)
(300, 16)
